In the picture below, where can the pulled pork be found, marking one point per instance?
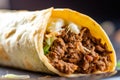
(78, 53)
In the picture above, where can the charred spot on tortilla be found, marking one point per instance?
(72, 49)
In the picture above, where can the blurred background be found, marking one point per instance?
(105, 12)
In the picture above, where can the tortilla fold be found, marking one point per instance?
(22, 35)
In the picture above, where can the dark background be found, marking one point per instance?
(98, 9)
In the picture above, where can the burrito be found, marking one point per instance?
(55, 41)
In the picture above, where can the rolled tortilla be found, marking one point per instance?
(22, 37)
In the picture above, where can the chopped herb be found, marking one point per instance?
(118, 64)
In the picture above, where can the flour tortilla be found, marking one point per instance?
(22, 35)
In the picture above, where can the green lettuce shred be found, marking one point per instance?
(49, 42)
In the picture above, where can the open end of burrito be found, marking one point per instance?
(73, 49)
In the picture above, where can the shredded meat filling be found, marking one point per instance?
(79, 53)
